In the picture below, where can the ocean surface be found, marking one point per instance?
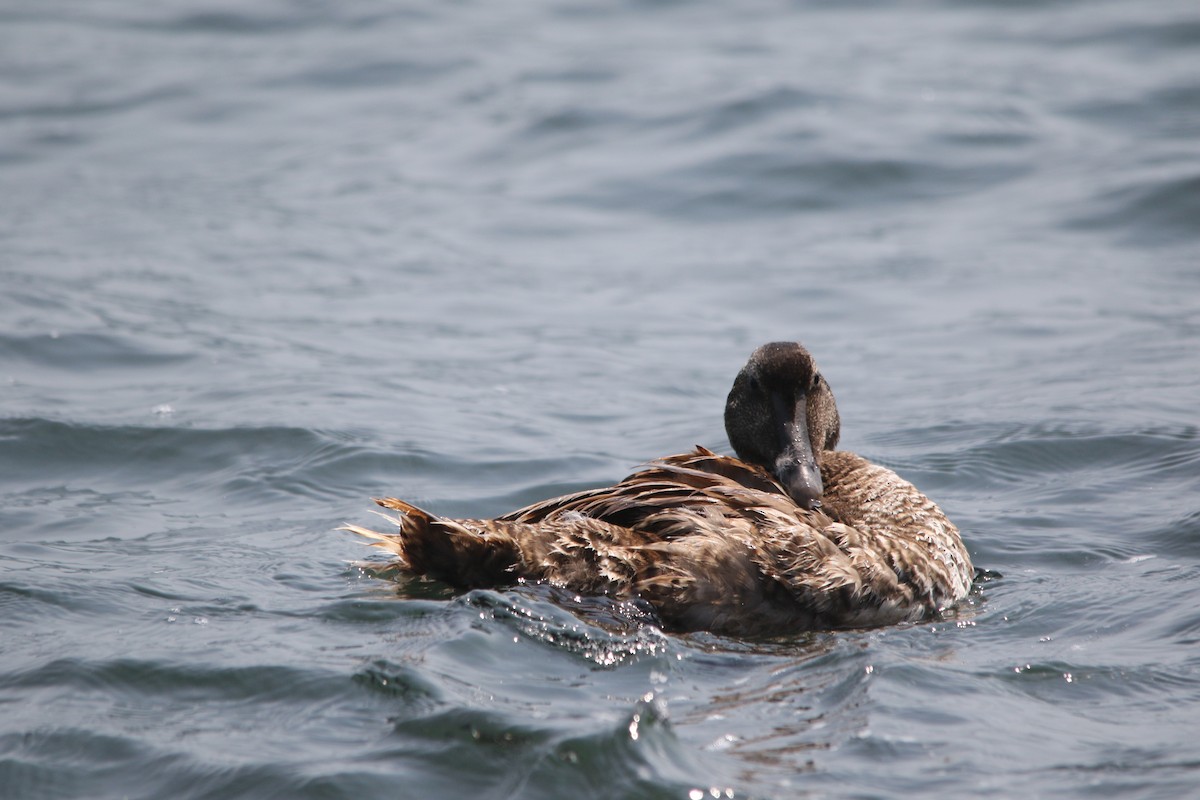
(260, 262)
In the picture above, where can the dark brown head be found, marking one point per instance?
(781, 416)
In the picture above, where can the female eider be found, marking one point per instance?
(792, 535)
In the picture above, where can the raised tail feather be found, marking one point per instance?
(465, 553)
(588, 555)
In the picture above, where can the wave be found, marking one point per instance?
(997, 456)
(85, 351)
(1158, 210)
(749, 184)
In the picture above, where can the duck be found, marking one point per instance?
(790, 536)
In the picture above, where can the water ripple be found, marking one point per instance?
(191, 682)
(1159, 211)
(731, 187)
(90, 351)
(1031, 453)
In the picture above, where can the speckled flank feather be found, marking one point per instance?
(763, 544)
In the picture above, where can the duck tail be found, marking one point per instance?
(465, 553)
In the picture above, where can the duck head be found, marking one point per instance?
(781, 415)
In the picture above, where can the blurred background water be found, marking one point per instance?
(261, 261)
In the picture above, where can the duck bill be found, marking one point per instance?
(796, 467)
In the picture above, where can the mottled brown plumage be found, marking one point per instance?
(791, 536)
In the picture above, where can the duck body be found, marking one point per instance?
(819, 539)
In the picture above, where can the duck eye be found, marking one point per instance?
(754, 384)
(816, 383)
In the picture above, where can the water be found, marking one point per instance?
(260, 263)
